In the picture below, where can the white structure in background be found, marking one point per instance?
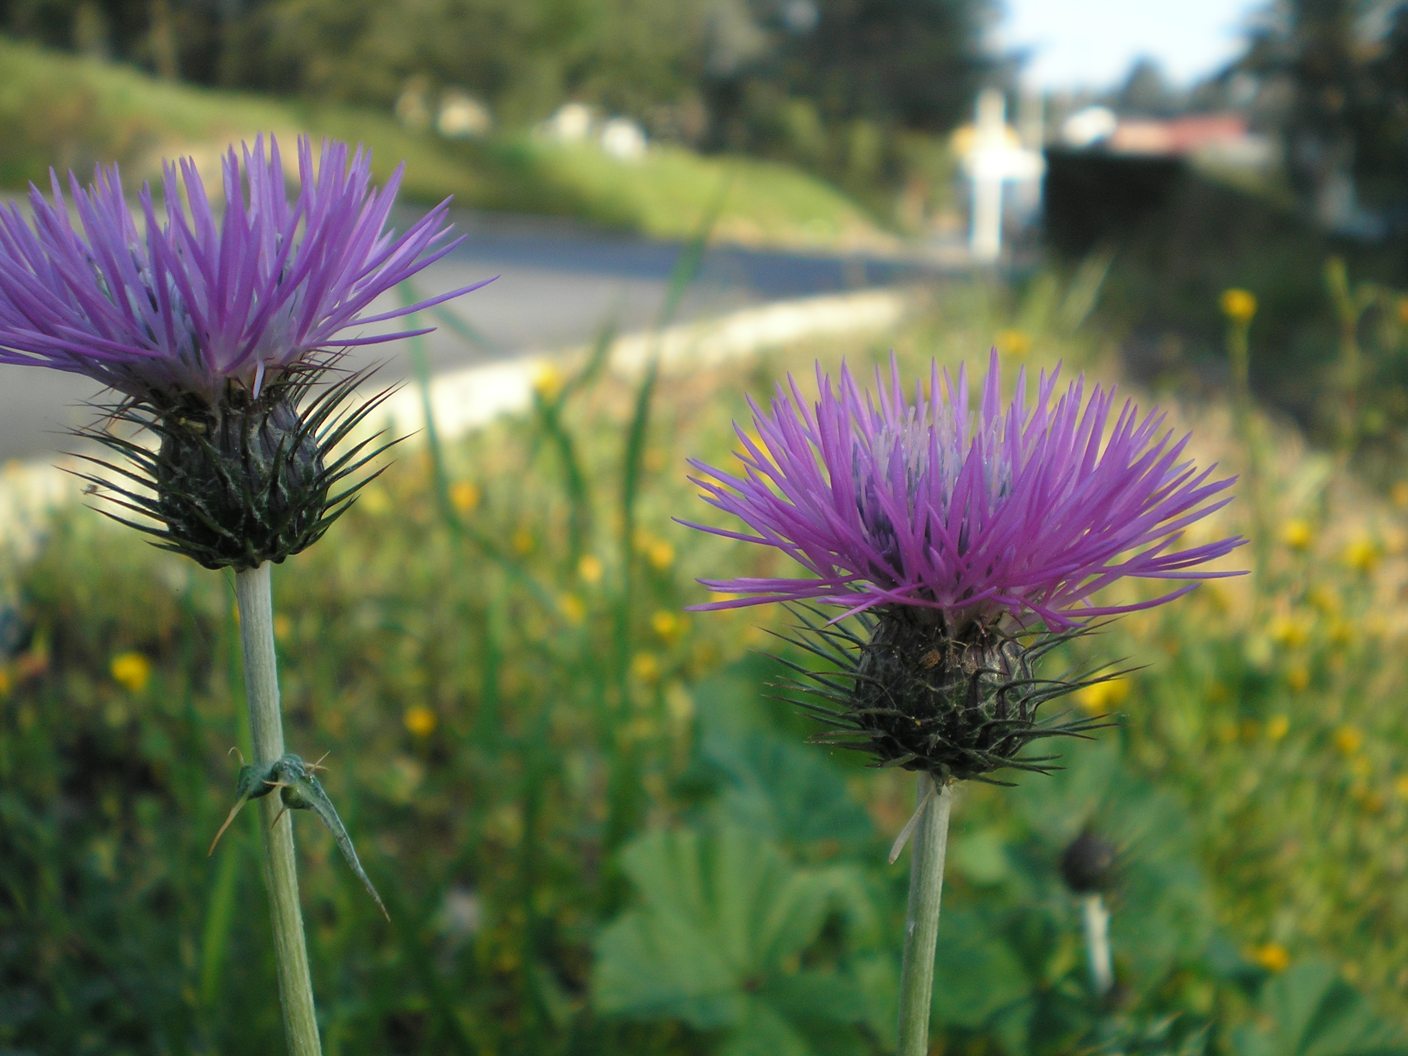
(462, 116)
(569, 123)
(992, 154)
(623, 139)
(1089, 127)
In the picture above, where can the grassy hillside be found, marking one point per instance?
(74, 113)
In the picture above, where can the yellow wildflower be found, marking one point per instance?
(420, 720)
(573, 610)
(1277, 727)
(1340, 632)
(547, 381)
(132, 671)
(1349, 739)
(1290, 631)
(1362, 554)
(1270, 955)
(464, 496)
(666, 625)
(374, 501)
(283, 627)
(1014, 344)
(1238, 305)
(1298, 678)
(660, 554)
(523, 542)
(1297, 534)
(645, 667)
(1324, 599)
(1099, 698)
(1400, 785)
(590, 569)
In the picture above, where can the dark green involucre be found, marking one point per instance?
(248, 479)
(902, 689)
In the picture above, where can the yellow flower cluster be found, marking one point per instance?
(464, 496)
(1014, 344)
(1271, 956)
(1100, 698)
(420, 721)
(1238, 305)
(1297, 535)
(132, 671)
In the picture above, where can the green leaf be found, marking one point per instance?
(786, 791)
(1310, 1011)
(721, 918)
(763, 1032)
(977, 973)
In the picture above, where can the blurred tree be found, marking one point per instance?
(1336, 72)
(1146, 91)
(913, 63)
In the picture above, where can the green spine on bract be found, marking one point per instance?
(248, 479)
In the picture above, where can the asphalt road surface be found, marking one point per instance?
(558, 286)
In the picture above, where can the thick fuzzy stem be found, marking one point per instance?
(921, 926)
(252, 590)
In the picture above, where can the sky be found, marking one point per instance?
(1092, 43)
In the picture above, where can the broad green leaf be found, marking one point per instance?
(1310, 1011)
(763, 1032)
(721, 920)
(787, 791)
(976, 971)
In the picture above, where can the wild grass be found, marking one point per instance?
(594, 830)
(74, 113)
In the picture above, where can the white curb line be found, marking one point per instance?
(463, 399)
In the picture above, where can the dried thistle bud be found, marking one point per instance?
(1090, 864)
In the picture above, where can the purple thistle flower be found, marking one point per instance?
(216, 321)
(241, 290)
(969, 536)
(1022, 511)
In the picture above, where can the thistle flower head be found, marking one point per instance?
(186, 299)
(215, 318)
(1000, 515)
(970, 534)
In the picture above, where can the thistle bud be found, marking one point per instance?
(1089, 864)
(241, 482)
(916, 696)
(246, 479)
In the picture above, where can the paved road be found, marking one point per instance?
(558, 286)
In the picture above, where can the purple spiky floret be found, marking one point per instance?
(990, 513)
(184, 298)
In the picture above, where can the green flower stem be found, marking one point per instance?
(921, 924)
(1096, 916)
(1244, 422)
(255, 598)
